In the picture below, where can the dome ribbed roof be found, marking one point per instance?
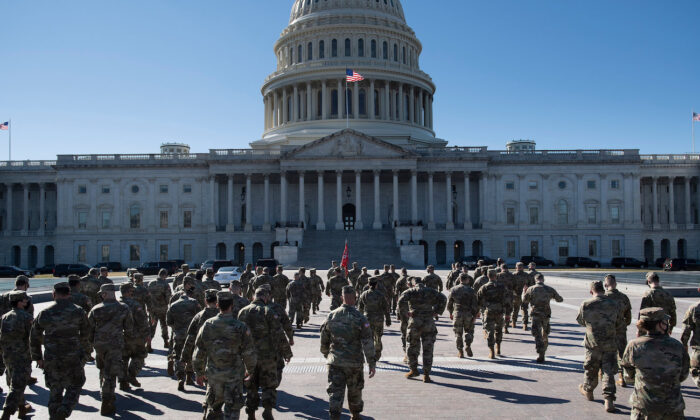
(303, 8)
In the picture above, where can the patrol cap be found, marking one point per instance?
(654, 314)
(235, 283)
(280, 267)
(107, 288)
(348, 290)
(104, 270)
(313, 270)
(417, 279)
(373, 280)
(222, 295)
(188, 280)
(431, 267)
(17, 296)
(92, 272)
(492, 272)
(302, 268)
(61, 287)
(210, 294)
(262, 290)
(125, 287)
(138, 275)
(185, 266)
(597, 286)
(364, 268)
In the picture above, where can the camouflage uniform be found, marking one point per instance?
(179, 317)
(134, 355)
(208, 283)
(224, 353)
(691, 334)
(239, 302)
(270, 344)
(625, 306)
(317, 289)
(506, 279)
(452, 277)
(91, 287)
(142, 296)
(197, 322)
(539, 297)
(160, 294)
(659, 365)
(493, 300)
(80, 299)
(394, 297)
(529, 282)
(62, 328)
(177, 281)
(259, 281)
(15, 327)
(306, 307)
(463, 307)
(288, 331)
(422, 303)
(362, 282)
(334, 288)
(520, 281)
(346, 341)
(353, 275)
(279, 284)
(403, 284)
(434, 281)
(602, 319)
(296, 293)
(388, 282)
(373, 304)
(246, 280)
(658, 297)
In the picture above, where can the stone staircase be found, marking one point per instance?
(370, 248)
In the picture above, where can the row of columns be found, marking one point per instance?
(25, 220)
(304, 105)
(672, 200)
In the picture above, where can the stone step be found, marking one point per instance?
(369, 248)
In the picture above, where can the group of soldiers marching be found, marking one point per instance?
(237, 341)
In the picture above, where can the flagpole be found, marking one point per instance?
(692, 125)
(347, 111)
(10, 140)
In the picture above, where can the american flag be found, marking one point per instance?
(352, 76)
(696, 117)
(5, 126)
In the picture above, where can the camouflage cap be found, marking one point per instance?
(373, 280)
(262, 290)
(364, 268)
(188, 280)
(210, 294)
(223, 295)
(492, 272)
(653, 314)
(348, 290)
(138, 275)
(235, 283)
(17, 296)
(183, 266)
(92, 272)
(61, 287)
(417, 279)
(313, 270)
(107, 288)
(191, 274)
(430, 267)
(210, 270)
(125, 288)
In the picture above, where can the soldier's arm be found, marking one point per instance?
(325, 339)
(361, 303)
(322, 287)
(141, 324)
(169, 317)
(685, 365)
(439, 282)
(128, 322)
(558, 297)
(286, 325)
(191, 338)
(199, 361)
(450, 303)
(440, 307)
(689, 327)
(646, 302)
(90, 331)
(627, 362)
(248, 351)
(367, 340)
(674, 318)
(628, 311)
(579, 318)
(276, 329)
(387, 313)
(36, 339)
(526, 296)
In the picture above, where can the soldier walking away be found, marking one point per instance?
(362, 281)
(209, 311)
(306, 305)
(521, 282)
(373, 305)
(135, 352)
(626, 309)
(270, 344)
(539, 297)
(91, 286)
(208, 282)
(432, 279)
(659, 364)
(279, 287)
(331, 271)
(160, 294)
(109, 322)
(62, 329)
(656, 296)
(179, 317)
(334, 288)
(463, 307)
(286, 327)
(353, 275)
(403, 284)
(239, 302)
(317, 289)
(15, 327)
(224, 355)
(691, 334)
(602, 319)
(296, 294)
(346, 342)
(76, 296)
(246, 279)
(394, 297)
(424, 305)
(493, 297)
(180, 277)
(505, 277)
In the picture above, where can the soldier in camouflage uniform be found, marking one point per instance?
(602, 319)
(91, 286)
(296, 293)
(179, 317)
(224, 355)
(423, 305)
(306, 307)
(505, 277)
(134, 354)
(104, 279)
(520, 283)
(279, 287)
(250, 293)
(76, 297)
(354, 274)
(656, 296)
(691, 334)
(331, 271)
(626, 309)
(539, 297)
(15, 327)
(334, 288)
(453, 276)
(394, 297)
(270, 344)
(109, 322)
(362, 281)
(208, 282)
(141, 295)
(160, 294)
(317, 289)
(463, 307)
(403, 284)
(181, 276)
(346, 341)
(481, 269)
(62, 328)
(246, 279)
(262, 279)
(286, 327)
(493, 298)
(239, 302)
(432, 279)
(209, 311)
(373, 304)
(659, 364)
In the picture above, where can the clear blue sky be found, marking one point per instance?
(86, 76)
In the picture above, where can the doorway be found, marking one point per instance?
(349, 217)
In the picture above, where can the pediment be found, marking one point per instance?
(348, 144)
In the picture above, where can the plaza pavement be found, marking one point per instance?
(511, 387)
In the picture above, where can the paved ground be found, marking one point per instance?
(512, 387)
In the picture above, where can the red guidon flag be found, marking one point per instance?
(346, 258)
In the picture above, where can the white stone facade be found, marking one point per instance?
(388, 171)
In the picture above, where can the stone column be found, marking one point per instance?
(230, 225)
(396, 197)
(483, 191)
(309, 108)
(283, 199)
(467, 203)
(386, 100)
(637, 194)
(431, 203)
(580, 207)
(248, 203)
(266, 215)
(688, 222)
(276, 111)
(604, 210)
(372, 100)
(42, 208)
(356, 101)
(341, 100)
(377, 225)
(414, 197)
(302, 201)
(25, 208)
(522, 205)
(671, 203)
(285, 107)
(655, 202)
(697, 205)
(8, 211)
(420, 107)
(295, 104)
(339, 200)
(402, 107)
(321, 222)
(212, 201)
(426, 102)
(324, 100)
(412, 106)
(358, 201)
(449, 223)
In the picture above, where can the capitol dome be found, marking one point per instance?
(307, 98)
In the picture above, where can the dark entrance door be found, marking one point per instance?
(349, 217)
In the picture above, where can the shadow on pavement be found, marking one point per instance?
(307, 407)
(506, 396)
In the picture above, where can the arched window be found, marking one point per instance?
(321, 49)
(348, 47)
(396, 52)
(373, 47)
(135, 217)
(385, 50)
(334, 48)
(300, 54)
(563, 212)
(361, 47)
(310, 52)
(291, 56)
(363, 102)
(334, 102)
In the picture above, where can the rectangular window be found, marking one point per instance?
(534, 248)
(163, 189)
(563, 249)
(510, 186)
(615, 184)
(135, 217)
(82, 220)
(510, 248)
(187, 188)
(82, 189)
(164, 252)
(187, 252)
(616, 248)
(106, 219)
(187, 219)
(105, 253)
(615, 215)
(534, 216)
(510, 216)
(590, 185)
(532, 185)
(592, 248)
(134, 253)
(591, 214)
(163, 219)
(105, 189)
(82, 253)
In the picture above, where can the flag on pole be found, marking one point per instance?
(5, 126)
(352, 76)
(346, 258)
(696, 117)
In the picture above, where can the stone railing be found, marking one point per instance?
(670, 159)
(29, 165)
(348, 62)
(228, 154)
(129, 158)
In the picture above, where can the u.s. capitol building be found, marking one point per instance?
(386, 183)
